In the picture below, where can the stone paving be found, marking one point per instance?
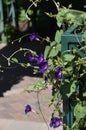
(13, 103)
(13, 100)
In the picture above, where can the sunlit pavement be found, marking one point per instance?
(12, 106)
(23, 125)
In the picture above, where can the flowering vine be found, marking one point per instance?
(64, 72)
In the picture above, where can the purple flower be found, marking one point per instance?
(58, 73)
(31, 57)
(40, 59)
(43, 66)
(28, 109)
(33, 36)
(55, 122)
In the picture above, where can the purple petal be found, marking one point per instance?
(58, 72)
(28, 109)
(40, 59)
(33, 36)
(55, 122)
(31, 57)
(43, 66)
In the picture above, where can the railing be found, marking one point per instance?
(8, 13)
(70, 41)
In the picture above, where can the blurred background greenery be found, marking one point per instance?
(39, 22)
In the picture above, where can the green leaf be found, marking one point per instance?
(84, 36)
(70, 16)
(75, 125)
(53, 52)
(50, 101)
(30, 12)
(72, 88)
(15, 60)
(53, 43)
(69, 69)
(58, 46)
(46, 52)
(59, 20)
(50, 62)
(22, 14)
(80, 111)
(58, 36)
(68, 57)
(84, 94)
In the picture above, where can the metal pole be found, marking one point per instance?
(69, 42)
(2, 33)
(12, 12)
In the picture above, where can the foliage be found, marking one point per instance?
(22, 14)
(7, 2)
(10, 31)
(64, 71)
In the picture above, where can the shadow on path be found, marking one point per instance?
(14, 75)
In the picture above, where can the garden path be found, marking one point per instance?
(13, 100)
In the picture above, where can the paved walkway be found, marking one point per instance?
(13, 103)
(24, 125)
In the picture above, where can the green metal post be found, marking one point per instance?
(70, 42)
(12, 13)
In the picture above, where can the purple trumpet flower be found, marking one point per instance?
(55, 122)
(40, 61)
(43, 66)
(28, 109)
